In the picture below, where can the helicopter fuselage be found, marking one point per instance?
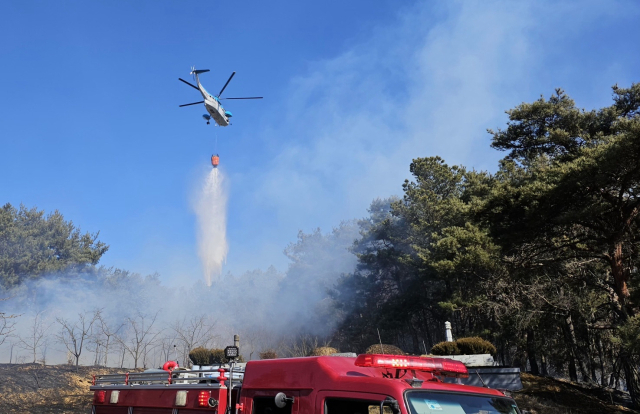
(213, 106)
(216, 110)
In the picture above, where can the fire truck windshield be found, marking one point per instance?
(422, 402)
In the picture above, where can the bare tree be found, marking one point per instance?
(150, 351)
(95, 345)
(252, 341)
(303, 344)
(122, 350)
(168, 347)
(138, 336)
(74, 333)
(109, 332)
(43, 351)
(193, 332)
(6, 324)
(35, 337)
(12, 345)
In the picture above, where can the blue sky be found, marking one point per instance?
(353, 91)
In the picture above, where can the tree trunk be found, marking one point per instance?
(592, 360)
(573, 374)
(570, 334)
(620, 277)
(531, 352)
(414, 338)
(614, 373)
(106, 353)
(97, 358)
(603, 379)
(519, 359)
(631, 379)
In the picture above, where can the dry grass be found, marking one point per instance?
(542, 395)
(33, 388)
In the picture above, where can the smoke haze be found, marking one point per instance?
(211, 211)
(266, 307)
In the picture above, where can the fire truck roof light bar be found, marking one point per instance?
(438, 366)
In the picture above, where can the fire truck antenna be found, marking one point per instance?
(380, 339)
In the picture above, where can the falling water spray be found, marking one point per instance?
(211, 211)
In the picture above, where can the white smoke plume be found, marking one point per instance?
(211, 211)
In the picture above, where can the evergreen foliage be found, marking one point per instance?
(268, 354)
(445, 348)
(32, 244)
(323, 350)
(541, 257)
(384, 349)
(217, 356)
(475, 345)
(214, 356)
(464, 346)
(200, 356)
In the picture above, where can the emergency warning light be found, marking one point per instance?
(231, 352)
(438, 366)
(203, 398)
(99, 397)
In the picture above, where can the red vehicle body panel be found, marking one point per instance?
(308, 380)
(340, 375)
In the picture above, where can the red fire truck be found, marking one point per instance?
(366, 384)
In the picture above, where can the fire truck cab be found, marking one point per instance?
(367, 384)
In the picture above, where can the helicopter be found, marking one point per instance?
(212, 103)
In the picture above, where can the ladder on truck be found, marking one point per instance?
(177, 377)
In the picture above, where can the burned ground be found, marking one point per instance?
(34, 388)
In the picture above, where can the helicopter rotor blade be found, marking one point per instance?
(225, 85)
(194, 103)
(253, 97)
(189, 83)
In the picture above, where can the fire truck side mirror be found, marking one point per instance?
(281, 400)
(391, 403)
